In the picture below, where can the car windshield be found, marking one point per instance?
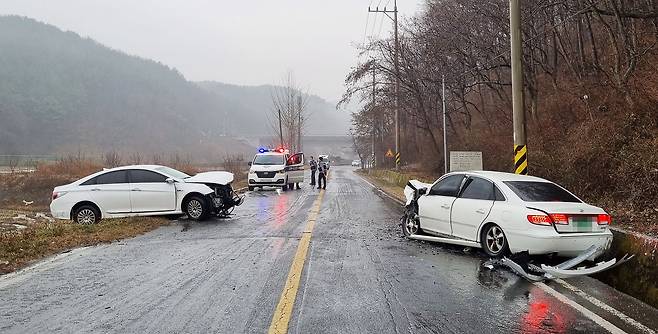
(172, 172)
(268, 160)
(532, 191)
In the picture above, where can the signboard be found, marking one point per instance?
(465, 160)
(389, 153)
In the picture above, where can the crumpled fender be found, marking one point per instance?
(411, 189)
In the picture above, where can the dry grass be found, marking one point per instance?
(19, 248)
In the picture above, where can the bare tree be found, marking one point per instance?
(112, 159)
(289, 115)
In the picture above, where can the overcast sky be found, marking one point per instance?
(242, 42)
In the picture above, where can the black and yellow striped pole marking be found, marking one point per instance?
(521, 159)
(397, 159)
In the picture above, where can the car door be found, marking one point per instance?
(435, 206)
(150, 192)
(111, 191)
(472, 207)
(295, 168)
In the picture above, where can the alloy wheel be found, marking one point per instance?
(194, 209)
(86, 217)
(495, 239)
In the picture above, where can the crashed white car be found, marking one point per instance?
(144, 190)
(504, 213)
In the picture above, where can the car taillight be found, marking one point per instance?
(604, 219)
(560, 218)
(540, 220)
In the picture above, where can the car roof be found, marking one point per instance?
(133, 167)
(502, 176)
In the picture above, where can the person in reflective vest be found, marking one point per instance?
(314, 166)
(322, 174)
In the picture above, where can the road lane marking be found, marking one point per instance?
(589, 314)
(606, 307)
(283, 311)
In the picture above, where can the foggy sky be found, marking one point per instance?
(241, 42)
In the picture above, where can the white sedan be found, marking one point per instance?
(502, 213)
(144, 190)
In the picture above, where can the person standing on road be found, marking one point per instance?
(322, 174)
(314, 166)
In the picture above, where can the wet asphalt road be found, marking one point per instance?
(226, 276)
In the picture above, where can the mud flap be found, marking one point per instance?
(562, 270)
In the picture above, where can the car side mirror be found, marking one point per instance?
(249, 163)
(170, 180)
(422, 191)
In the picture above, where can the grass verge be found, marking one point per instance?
(19, 248)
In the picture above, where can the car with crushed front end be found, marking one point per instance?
(504, 213)
(145, 190)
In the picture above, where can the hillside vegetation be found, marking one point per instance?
(62, 93)
(589, 83)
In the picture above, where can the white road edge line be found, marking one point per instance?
(593, 316)
(606, 307)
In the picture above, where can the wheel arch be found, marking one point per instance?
(190, 195)
(81, 203)
(490, 222)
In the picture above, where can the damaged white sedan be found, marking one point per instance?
(505, 213)
(144, 190)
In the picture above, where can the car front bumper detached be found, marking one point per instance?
(532, 272)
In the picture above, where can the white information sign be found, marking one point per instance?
(465, 160)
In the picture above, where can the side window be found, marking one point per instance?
(120, 176)
(89, 182)
(448, 186)
(478, 188)
(146, 176)
(499, 194)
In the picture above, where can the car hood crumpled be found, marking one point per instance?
(222, 178)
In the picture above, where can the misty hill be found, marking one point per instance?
(60, 92)
(251, 110)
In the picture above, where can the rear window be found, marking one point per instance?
(531, 191)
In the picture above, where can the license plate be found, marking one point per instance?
(581, 223)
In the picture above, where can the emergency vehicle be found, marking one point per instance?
(276, 168)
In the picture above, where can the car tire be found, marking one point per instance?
(196, 208)
(86, 215)
(411, 224)
(493, 241)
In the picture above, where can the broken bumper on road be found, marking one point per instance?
(543, 272)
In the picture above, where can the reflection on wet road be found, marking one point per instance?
(227, 275)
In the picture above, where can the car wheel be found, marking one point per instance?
(86, 215)
(410, 224)
(196, 208)
(251, 188)
(493, 241)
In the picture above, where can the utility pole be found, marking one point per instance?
(445, 137)
(280, 129)
(299, 123)
(518, 113)
(374, 117)
(397, 75)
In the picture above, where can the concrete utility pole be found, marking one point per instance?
(280, 129)
(396, 62)
(445, 137)
(374, 117)
(300, 105)
(520, 148)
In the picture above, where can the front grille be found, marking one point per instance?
(265, 174)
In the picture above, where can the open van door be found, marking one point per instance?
(295, 169)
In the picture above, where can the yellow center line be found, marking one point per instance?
(283, 311)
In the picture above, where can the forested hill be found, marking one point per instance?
(60, 92)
